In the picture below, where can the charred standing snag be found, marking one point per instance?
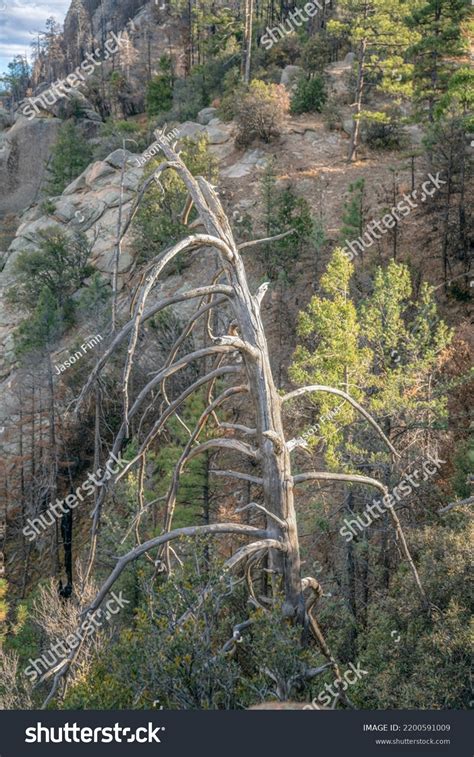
(241, 354)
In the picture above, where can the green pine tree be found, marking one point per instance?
(159, 94)
(45, 325)
(70, 156)
(330, 352)
(442, 40)
(378, 31)
(283, 210)
(45, 282)
(382, 351)
(353, 214)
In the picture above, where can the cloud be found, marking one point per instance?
(20, 20)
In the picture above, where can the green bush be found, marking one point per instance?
(383, 132)
(112, 133)
(46, 280)
(260, 113)
(309, 96)
(159, 94)
(158, 222)
(71, 154)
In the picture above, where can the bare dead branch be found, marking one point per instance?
(459, 503)
(229, 646)
(325, 476)
(275, 238)
(313, 672)
(262, 509)
(348, 398)
(237, 474)
(224, 443)
(248, 549)
(125, 331)
(237, 344)
(238, 427)
(347, 477)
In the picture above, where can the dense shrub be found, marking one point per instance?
(158, 222)
(71, 154)
(113, 132)
(309, 96)
(159, 95)
(261, 113)
(183, 666)
(383, 132)
(46, 282)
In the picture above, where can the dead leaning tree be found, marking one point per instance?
(278, 542)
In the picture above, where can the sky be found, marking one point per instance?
(19, 19)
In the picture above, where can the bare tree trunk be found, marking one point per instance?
(445, 254)
(246, 347)
(351, 584)
(54, 462)
(118, 243)
(354, 143)
(247, 42)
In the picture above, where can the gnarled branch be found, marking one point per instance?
(125, 331)
(354, 479)
(237, 474)
(213, 529)
(348, 398)
(224, 443)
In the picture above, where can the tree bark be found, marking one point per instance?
(354, 143)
